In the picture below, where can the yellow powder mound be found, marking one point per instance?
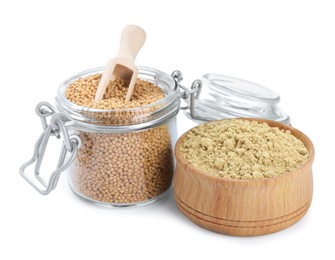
(241, 149)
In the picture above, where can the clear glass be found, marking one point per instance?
(228, 97)
(126, 156)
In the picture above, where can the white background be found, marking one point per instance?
(288, 46)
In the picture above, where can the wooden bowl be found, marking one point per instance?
(244, 207)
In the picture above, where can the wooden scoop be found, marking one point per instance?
(123, 65)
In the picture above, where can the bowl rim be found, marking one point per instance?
(297, 133)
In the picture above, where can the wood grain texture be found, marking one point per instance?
(244, 207)
(123, 65)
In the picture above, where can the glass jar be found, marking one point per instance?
(126, 155)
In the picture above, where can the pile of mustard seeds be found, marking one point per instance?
(123, 168)
(126, 167)
(82, 92)
(241, 149)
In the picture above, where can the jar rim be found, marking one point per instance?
(143, 117)
(64, 85)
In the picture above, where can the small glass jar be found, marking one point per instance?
(126, 155)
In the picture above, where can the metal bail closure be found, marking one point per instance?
(189, 95)
(71, 144)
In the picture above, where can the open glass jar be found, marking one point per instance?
(124, 157)
(118, 157)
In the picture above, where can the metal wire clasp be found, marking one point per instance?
(71, 144)
(189, 95)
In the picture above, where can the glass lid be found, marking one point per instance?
(221, 96)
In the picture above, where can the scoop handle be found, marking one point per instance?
(132, 40)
